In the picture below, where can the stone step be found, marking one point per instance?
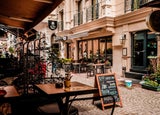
(134, 75)
(144, 71)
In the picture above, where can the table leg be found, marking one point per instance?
(66, 106)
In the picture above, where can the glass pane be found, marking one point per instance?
(90, 52)
(102, 49)
(109, 50)
(138, 49)
(151, 45)
(80, 50)
(85, 49)
(95, 49)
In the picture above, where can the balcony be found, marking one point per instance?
(150, 3)
(131, 5)
(78, 18)
(92, 12)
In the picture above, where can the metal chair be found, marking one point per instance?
(90, 70)
(55, 108)
(94, 98)
(107, 69)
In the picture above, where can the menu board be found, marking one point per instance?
(107, 85)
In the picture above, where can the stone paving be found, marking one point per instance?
(136, 100)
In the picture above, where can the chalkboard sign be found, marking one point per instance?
(107, 85)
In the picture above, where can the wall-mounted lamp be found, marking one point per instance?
(123, 39)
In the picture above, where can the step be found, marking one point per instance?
(143, 71)
(134, 75)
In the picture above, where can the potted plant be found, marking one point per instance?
(67, 80)
(11, 50)
(152, 81)
(156, 75)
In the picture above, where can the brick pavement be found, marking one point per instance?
(136, 101)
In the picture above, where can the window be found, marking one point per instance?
(131, 5)
(78, 17)
(92, 12)
(96, 49)
(60, 23)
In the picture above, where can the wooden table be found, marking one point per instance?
(11, 96)
(75, 89)
(11, 92)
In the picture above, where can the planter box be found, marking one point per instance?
(150, 87)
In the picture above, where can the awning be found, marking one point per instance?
(25, 14)
(92, 33)
(78, 35)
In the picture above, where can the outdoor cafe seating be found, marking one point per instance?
(69, 95)
(39, 97)
(46, 99)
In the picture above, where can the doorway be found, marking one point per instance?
(144, 44)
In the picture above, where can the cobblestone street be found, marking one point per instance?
(136, 101)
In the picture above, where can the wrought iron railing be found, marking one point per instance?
(92, 12)
(131, 5)
(78, 18)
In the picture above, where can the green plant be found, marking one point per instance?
(11, 50)
(156, 74)
(153, 79)
(66, 60)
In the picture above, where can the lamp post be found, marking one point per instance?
(123, 39)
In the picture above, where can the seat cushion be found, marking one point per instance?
(49, 108)
(53, 108)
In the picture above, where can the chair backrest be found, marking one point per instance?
(94, 98)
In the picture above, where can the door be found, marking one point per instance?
(138, 50)
(144, 44)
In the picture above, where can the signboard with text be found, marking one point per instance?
(107, 85)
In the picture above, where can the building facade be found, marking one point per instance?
(113, 30)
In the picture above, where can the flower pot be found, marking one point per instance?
(67, 83)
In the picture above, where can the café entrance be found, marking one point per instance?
(144, 44)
